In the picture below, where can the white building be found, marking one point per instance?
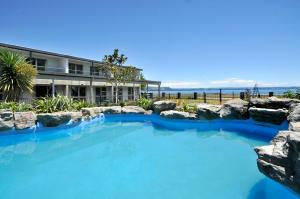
(75, 77)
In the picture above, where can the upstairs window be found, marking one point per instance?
(39, 64)
(95, 72)
(75, 68)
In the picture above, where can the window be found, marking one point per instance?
(39, 64)
(130, 93)
(101, 95)
(120, 93)
(75, 68)
(78, 93)
(96, 71)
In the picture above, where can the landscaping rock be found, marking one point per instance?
(91, 112)
(160, 106)
(280, 160)
(294, 126)
(177, 115)
(235, 109)
(111, 109)
(273, 103)
(208, 111)
(6, 120)
(133, 110)
(294, 115)
(54, 119)
(273, 116)
(76, 116)
(148, 112)
(24, 120)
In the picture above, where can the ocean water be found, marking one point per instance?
(137, 157)
(262, 90)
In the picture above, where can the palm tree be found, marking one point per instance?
(16, 75)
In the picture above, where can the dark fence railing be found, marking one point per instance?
(216, 98)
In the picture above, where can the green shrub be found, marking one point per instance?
(22, 107)
(187, 108)
(16, 107)
(122, 104)
(50, 105)
(292, 94)
(78, 105)
(59, 103)
(144, 103)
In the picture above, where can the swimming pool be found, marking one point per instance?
(137, 157)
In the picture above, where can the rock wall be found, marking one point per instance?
(280, 160)
(24, 120)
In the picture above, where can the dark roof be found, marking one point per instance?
(50, 53)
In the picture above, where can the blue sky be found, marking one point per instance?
(183, 43)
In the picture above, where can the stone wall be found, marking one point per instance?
(23, 120)
(281, 159)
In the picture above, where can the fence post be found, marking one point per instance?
(169, 96)
(204, 97)
(271, 94)
(242, 95)
(151, 95)
(220, 95)
(163, 95)
(178, 95)
(195, 95)
(232, 95)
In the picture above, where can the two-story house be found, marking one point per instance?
(75, 77)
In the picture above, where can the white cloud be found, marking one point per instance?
(233, 82)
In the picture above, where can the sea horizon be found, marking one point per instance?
(262, 90)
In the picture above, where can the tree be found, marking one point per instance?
(16, 75)
(131, 75)
(114, 71)
(143, 85)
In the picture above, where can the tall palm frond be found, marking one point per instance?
(16, 75)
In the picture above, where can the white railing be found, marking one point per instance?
(77, 72)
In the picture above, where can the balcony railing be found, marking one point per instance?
(76, 72)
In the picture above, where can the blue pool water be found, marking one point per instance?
(137, 157)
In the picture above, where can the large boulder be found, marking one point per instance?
(235, 109)
(111, 109)
(160, 106)
(294, 126)
(273, 116)
(54, 119)
(91, 112)
(6, 120)
(294, 115)
(273, 102)
(280, 161)
(133, 110)
(24, 120)
(76, 116)
(177, 115)
(208, 111)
